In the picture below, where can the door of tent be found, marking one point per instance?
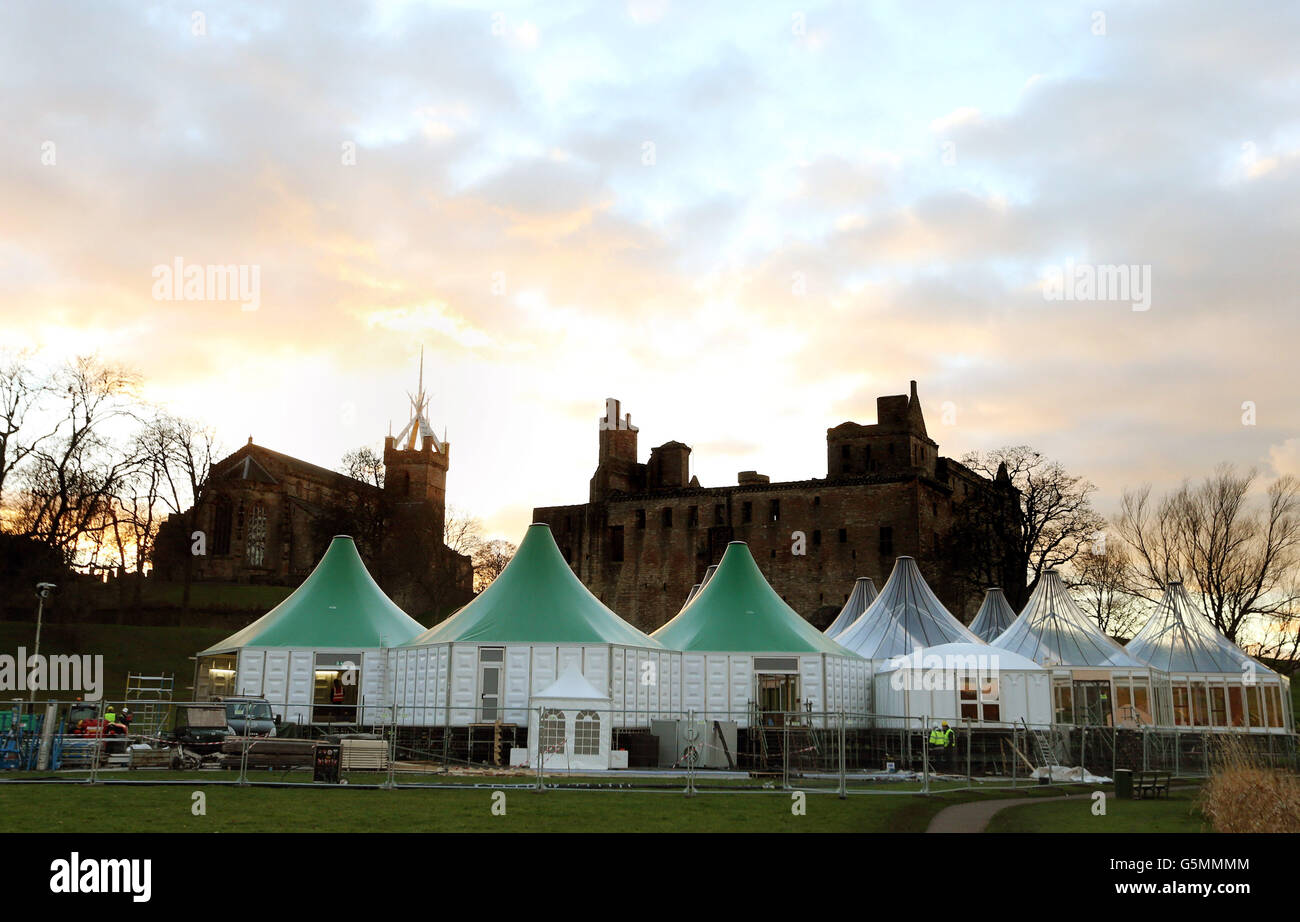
(1092, 703)
(778, 694)
(490, 663)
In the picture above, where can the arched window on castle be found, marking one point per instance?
(223, 521)
(256, 546)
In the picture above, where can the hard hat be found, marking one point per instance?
(945, 723)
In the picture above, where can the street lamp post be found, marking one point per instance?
(43, 591)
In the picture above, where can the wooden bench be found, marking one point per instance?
(1151, 784)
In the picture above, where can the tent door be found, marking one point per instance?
(1092, 704)
(491, 661)
(778, 694)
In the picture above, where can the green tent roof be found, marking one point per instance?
(536, 599)
(738, 611)
(338, 605)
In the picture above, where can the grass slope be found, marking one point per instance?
(148, 650)
(1179, 813)
(100, 808)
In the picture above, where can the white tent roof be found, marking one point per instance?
(994, 616)
(1053, 631)
(863, 594)
(1179, 638)
(1003, 660)
(906, 615)
(571, 684)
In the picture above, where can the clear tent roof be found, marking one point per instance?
(536, 599)
(738, 611)
(994, 616)
(1179, 638)
(863, 594)
(1054, 631)
(906, 615)
(337, 605)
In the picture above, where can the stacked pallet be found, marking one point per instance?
(267, 753)
(364, 755)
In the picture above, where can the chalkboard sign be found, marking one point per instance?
(325, 765)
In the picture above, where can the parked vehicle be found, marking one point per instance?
(249, 716)
(199, 728)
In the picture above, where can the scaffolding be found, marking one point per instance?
(150, 698)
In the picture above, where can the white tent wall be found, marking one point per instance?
(721, 685)
(441, 684)
(1022, 695)
(286, 678)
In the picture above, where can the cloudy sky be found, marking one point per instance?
(746, 221)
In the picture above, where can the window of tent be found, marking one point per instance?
(1254, 706)
(1124, 700)
(969, 698)
(1200, 705)
(1274, 700)
(1218, 706)
(216, 676)
(990, 692)
(586, 734)
(552, 730)
(1064, 704)
(1236, 713)
(1182, 716)
(1142, 701)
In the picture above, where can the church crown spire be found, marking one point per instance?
(418, 427)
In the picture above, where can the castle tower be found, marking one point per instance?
(896, 443)
(616, 468)
(415, 468)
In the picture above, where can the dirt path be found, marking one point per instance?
(975, 816)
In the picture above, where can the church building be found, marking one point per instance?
(266, 517)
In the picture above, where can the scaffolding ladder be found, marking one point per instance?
(1042, 743)
(149, 697)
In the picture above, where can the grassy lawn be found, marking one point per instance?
(1179, 813)
(102, 808)
(125, 648)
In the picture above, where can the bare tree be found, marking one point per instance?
(1102, 588)
(490, 558)
(1236, 554)
(461, 531)
(23, 386)
(1010, 541)
(186, 451)
(71, 477)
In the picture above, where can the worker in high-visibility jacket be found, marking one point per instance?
(943, 742)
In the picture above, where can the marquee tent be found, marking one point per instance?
(569, 726)
(863, 594)
(533, 622)
(1212, 682)
(994, 616)
(1095, 682)
(747, 653)
(906, 615)
(316, 656)
(967, 684)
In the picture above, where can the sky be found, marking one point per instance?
(746, 222)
